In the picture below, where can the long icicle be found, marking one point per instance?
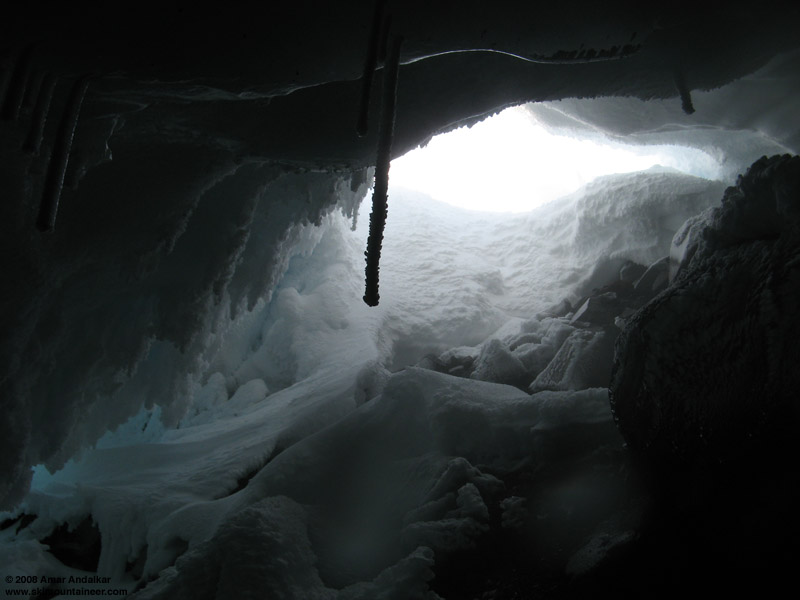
(46, 220)
(39, 117)
(376, 41)
(32, 91)
(377, 219)
(17, 85)
(685, 93)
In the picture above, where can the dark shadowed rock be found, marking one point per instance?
(707, 370)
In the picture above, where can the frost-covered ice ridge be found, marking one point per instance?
(314, 461)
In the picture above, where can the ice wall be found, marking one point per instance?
(117, 309)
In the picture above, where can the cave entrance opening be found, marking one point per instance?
(491, 225)
(514, 161)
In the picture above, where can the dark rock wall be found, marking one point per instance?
(709, 367)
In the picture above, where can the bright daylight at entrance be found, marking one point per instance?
(511, 162)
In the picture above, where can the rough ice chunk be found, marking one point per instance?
(514, 513)
(446, 535)
(370, 381)
(631, 271)
(458, 529)
(406, 579)
(598, 310)
(264, 547)
(583, 361)
(685, 241)
(249, 394)
(655, 278)
(207, 398)
(496, 363)
(596, 551)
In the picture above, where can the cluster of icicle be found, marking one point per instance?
(25, 90)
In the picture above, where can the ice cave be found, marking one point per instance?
(239, 360)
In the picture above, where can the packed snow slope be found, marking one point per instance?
(310, 459)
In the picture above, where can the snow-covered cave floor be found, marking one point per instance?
(310, 463)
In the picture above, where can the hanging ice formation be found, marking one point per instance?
(377, 44)
(377, 219)
(54, 183)
(27, 92)
(685, 93)
(17, 85)
(44, 97)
